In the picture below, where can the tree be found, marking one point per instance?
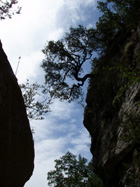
(64, 62)
(36, 102)
(6, 8)
(70, 172)
(128, 10)
(118, 16)
(64, 59)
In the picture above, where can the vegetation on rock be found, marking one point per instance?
(65, 58)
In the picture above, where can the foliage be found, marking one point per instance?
(64, 62)
(118, 16)
(129, 10)
(70, 172)
(116, 61)
(64, 59)
(36, 102)
(6, 8)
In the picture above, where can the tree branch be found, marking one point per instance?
(82, 80)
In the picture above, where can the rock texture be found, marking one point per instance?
(16, 141)
(115, 129)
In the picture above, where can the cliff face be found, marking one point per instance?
(16, 142)
(112, 114)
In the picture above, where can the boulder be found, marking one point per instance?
(16, 141)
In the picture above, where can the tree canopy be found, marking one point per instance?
(72, 172)
(6, 8)
(64, 59)
(36, 102)
(64, 62)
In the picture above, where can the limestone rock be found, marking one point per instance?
(115, 129)
(16, 141)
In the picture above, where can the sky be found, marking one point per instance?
(24, 36)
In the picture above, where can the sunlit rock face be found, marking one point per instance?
(16, 141)
(115, 127)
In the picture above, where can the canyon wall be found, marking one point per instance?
(112, 114)
(16, 141)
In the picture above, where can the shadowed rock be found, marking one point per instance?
(115, 126)
(16, 141)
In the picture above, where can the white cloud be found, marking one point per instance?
(62, 110)
(28, 66)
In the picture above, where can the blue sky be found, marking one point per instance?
(25, 35)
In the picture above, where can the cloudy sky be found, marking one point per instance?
(25, 35)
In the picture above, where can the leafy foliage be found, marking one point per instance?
(128, 10)
(118, 16)
(6, 8)
(73, 173)
(64, 62)
(116, 61)
(36, 102)
(65, 58)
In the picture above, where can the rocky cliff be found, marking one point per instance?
(112, 114)
(16, 141)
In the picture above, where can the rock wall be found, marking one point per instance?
(16, 141)
(115, 128)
